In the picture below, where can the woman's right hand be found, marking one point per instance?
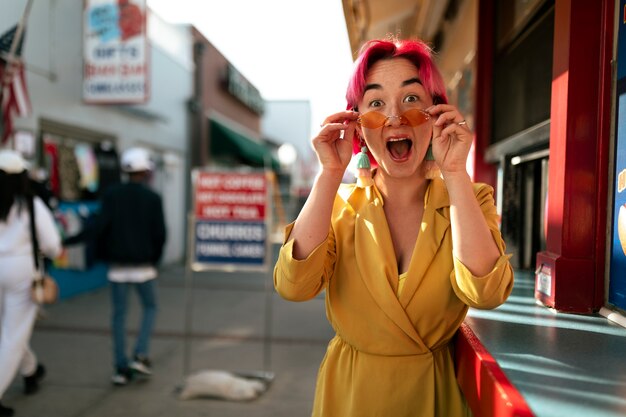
(333, 151)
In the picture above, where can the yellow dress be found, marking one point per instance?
(392, 353)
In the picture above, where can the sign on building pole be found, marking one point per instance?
(228, 231)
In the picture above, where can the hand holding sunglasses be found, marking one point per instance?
(452, 138)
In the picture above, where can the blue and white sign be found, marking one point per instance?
(230, 242)
(617, 279)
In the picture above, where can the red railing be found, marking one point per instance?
(487, 389)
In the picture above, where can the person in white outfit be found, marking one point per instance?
(17, 270)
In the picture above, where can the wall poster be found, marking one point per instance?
(115, 52)
(617, 277)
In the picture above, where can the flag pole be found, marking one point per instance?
(20, 28)
(10, 59)
(16, 40)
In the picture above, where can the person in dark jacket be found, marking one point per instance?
(130, 232)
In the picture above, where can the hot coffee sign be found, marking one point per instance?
(230, 211)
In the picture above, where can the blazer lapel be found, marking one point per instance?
(433, 228)
(376, 259)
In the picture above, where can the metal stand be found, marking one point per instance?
(188, 319)
(192, 266)
(188, 296)
(267, 337)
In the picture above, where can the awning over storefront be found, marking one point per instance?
(231, 145)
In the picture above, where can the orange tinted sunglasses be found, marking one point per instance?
(411, 117)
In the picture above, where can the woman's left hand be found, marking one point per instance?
(452, 139)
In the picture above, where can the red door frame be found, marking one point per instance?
(483, 171)
(580, 117)
(580, 128)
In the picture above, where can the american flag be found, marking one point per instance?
(13, 93)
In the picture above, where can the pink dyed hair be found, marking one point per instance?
(375, 50)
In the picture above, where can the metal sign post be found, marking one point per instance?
(188, 298)
(229, 230)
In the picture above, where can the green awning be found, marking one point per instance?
(233, 146)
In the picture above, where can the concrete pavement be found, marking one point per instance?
(228, 332)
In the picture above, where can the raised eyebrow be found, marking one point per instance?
(372, 87)
(410, 81)
(413, 80)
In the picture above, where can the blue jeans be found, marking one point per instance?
(119, 300)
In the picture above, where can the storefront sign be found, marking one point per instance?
(245, 92)
(230, 227)
(115, 52)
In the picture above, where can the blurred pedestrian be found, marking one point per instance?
(17, 271)
(39, 183)
(402, 253)
(130, 234)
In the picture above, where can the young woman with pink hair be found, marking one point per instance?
(402, 253)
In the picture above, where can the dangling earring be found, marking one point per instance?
(429, 153)
(363, 167)
(431, 170)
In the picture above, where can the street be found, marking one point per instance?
(227, 333)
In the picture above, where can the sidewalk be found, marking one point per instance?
(228, 333)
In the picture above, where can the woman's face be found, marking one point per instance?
(393, 87)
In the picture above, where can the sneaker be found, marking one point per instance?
(122, 376)
(141, 365)
(6, 411)
(31, 383)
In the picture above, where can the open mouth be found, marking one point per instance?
(399, 148)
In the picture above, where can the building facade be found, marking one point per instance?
(64, 130)
(538, 92)
(226, 112)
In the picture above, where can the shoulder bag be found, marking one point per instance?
(44, 289)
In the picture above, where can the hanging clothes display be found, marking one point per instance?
(78, 172)
(51, 163)
(88, 169)
(69, 175)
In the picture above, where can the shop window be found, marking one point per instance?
(75, 172)
(78, 170)
(512, 16)
(522, 67)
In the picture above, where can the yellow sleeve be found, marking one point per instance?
(301, 280)
(492, 289)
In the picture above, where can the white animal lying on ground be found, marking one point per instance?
(220, 384)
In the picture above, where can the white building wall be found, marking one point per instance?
(53, 58)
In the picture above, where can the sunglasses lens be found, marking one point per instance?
(372, 120)
(412, 117)
(415, 117)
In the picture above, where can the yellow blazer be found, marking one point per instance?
(392, 354)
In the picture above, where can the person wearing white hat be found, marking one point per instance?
(130, 228)
(17, 271)
(136, 160)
